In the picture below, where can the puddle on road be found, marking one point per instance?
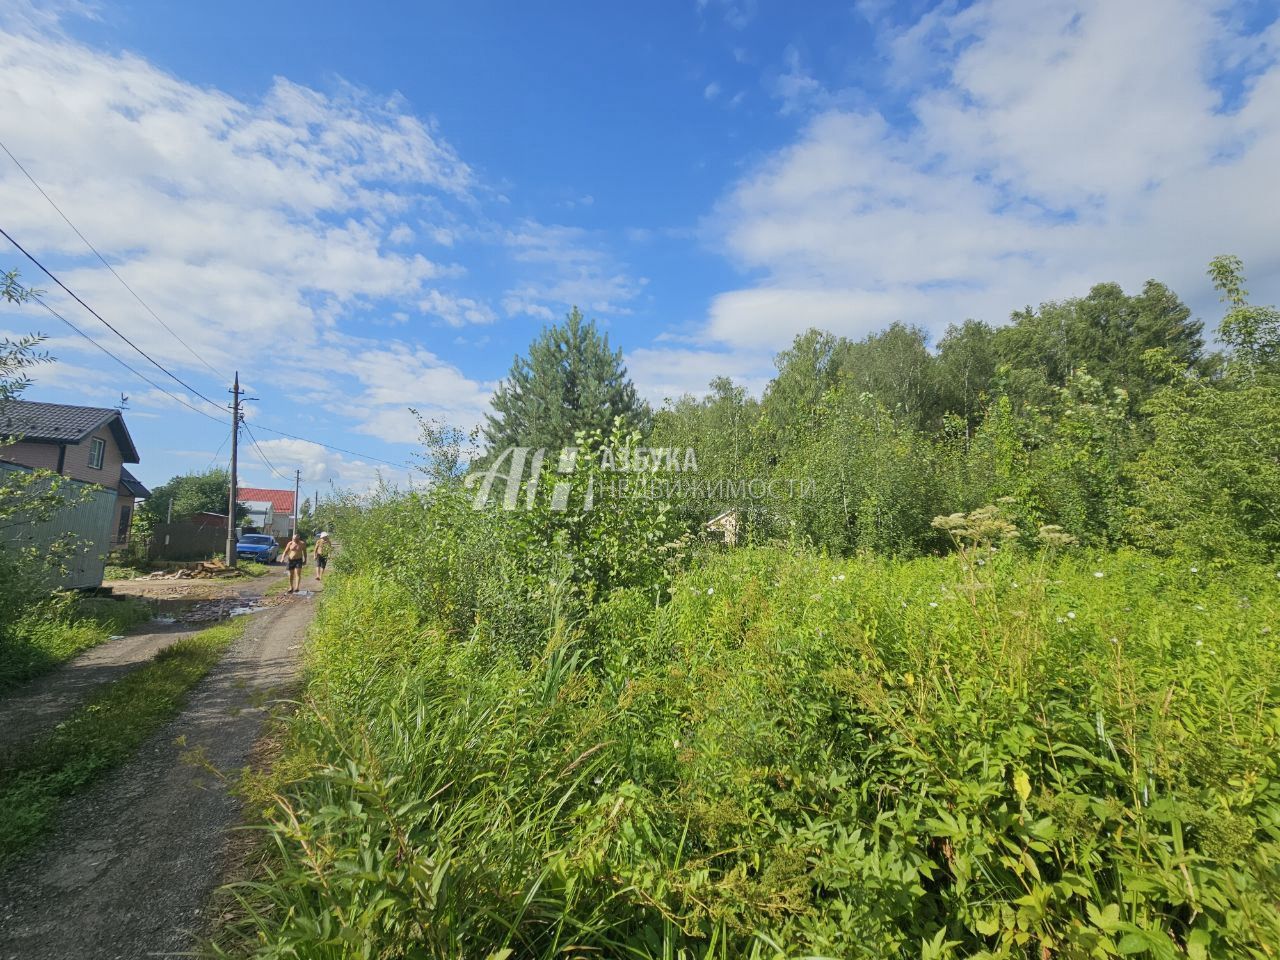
(211, 611)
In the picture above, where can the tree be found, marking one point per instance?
(190, 494)
(966, 369)
(896, 368)
(1107, 331)
(570, 382)
(17, 356)
(806, 371)
(1252, 333)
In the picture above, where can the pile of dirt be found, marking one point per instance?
(208, 570)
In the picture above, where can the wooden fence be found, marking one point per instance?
(184, 540)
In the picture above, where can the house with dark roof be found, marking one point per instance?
(87, 444)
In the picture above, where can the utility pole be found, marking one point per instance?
(297, 487)
(231, 504)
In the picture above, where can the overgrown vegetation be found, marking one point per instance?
(100, 735)
(55, 629)
(1006, 685)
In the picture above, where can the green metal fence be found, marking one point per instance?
(85, 523)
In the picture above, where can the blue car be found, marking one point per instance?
(257, 546)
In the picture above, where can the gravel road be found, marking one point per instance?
(134, 860)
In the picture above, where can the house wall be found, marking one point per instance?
(37, 456)
(77, 461)
(124, 504)
(44, 456)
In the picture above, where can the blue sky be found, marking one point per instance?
(367, 212)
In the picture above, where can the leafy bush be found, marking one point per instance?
(1000, 754)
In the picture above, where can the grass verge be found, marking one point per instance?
(47, 638)
(101, 735)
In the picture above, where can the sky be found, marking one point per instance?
(368, 212)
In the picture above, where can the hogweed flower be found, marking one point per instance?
(1052, 535)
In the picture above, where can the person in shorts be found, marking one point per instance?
(295, 555)
(323, 547)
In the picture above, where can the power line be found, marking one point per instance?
(262, 455)
(135, 372)
(174, 377)
(214, 458)
(144, 303)
(47, 272)
(329, 446)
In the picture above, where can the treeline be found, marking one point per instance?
(1106, 415)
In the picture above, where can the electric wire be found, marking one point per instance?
(329, 446)
(135, 372)
(214, 458)
(262, 455)
(47, 272)
(146, 306)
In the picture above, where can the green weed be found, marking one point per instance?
(998, 753)
(55, 631)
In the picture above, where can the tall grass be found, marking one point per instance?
(49, 632)
(1036, 756)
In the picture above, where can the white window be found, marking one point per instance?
(97, 447)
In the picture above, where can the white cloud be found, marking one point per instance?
(711, 91)
(572, 269)
(662, 373)
(321, 468)
(797, 89)
(262, 231)
(456, 311)
(1050, 149)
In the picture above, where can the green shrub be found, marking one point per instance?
(1024, 757)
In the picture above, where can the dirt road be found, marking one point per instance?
(39, 706)
(135, 859)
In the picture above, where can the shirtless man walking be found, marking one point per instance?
(295, 555)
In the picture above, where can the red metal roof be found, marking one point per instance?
(281, 500)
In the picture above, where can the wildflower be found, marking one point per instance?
(1199, 643)
(840, 577)
(933, 603)
(1052, 535)
(1195, 569)
(1060, 619)
(1199, 606)
(1099, 574)
(904, 603)
(909, 679)
(1115, 641)
(981, 562)
(1015, 584)
(1071, 614)
(710, 591)
(675, 744)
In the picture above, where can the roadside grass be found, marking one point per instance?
(50, 636)
(102, 734)
(251, 568)
(115, 572)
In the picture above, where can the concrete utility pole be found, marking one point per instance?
(297, 508)
(231, 504)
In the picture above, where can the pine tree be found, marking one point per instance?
(570, 381)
